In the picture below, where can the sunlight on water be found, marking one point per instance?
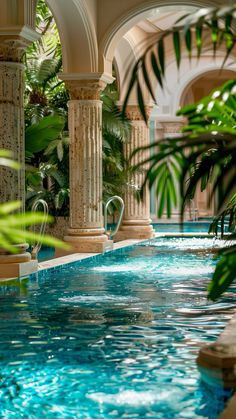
(190, 243)
(98, 298)
(133, 398)
(133, 267)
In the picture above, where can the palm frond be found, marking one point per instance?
(218, 22)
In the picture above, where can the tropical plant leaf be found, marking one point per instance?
(161, 55)
(11, 228)
(199, 39)
(6, 159)
(148, 83)
(37, 136)
(177, 46)
(188, 42)
(141, 102)
(156, 68)
(224, 275)
(8, 207)
(219, 22)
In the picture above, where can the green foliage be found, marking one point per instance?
(116, 130)
(12, 228)
(13, 225)
(164, 173)
(213, 113)
(39, 135)
(7, 161)
(46, 139)
(224, 274)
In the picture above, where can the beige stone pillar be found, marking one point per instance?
(86, 231)
(136, 222)
(12, 182)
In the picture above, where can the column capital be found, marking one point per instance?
(13, 44)
(134, 114)
(85, 89)
(86, 86)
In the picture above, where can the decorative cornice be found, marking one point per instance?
(106, 77)
(24, 32)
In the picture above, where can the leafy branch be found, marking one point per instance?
(188, 33)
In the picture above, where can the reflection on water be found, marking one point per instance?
(116, 336)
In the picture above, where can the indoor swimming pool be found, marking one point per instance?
(115, 336)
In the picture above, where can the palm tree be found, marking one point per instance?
(207, 149)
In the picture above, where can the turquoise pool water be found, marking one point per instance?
(46, 253)
(113, 337)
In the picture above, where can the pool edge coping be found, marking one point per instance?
(77, 257)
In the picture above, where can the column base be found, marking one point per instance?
(17, 270)
(216, 364)
(135, 230)
(217, 361)
(16, 265)
(86, 244)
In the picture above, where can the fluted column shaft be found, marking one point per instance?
(86, 232)
(136, 221)
(12, 182)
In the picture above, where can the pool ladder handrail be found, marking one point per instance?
(193, 211)
(37, 246)
(112, 233)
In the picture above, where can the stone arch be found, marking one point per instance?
(119, 27)
(169, 99)
(218, 72)
(125, 55)
(77, 34)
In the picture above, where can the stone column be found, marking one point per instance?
(12, 182)
(136, 222)
(86, 231)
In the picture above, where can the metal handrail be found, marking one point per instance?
(112, 233)
(193, 212)
(37, 246)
